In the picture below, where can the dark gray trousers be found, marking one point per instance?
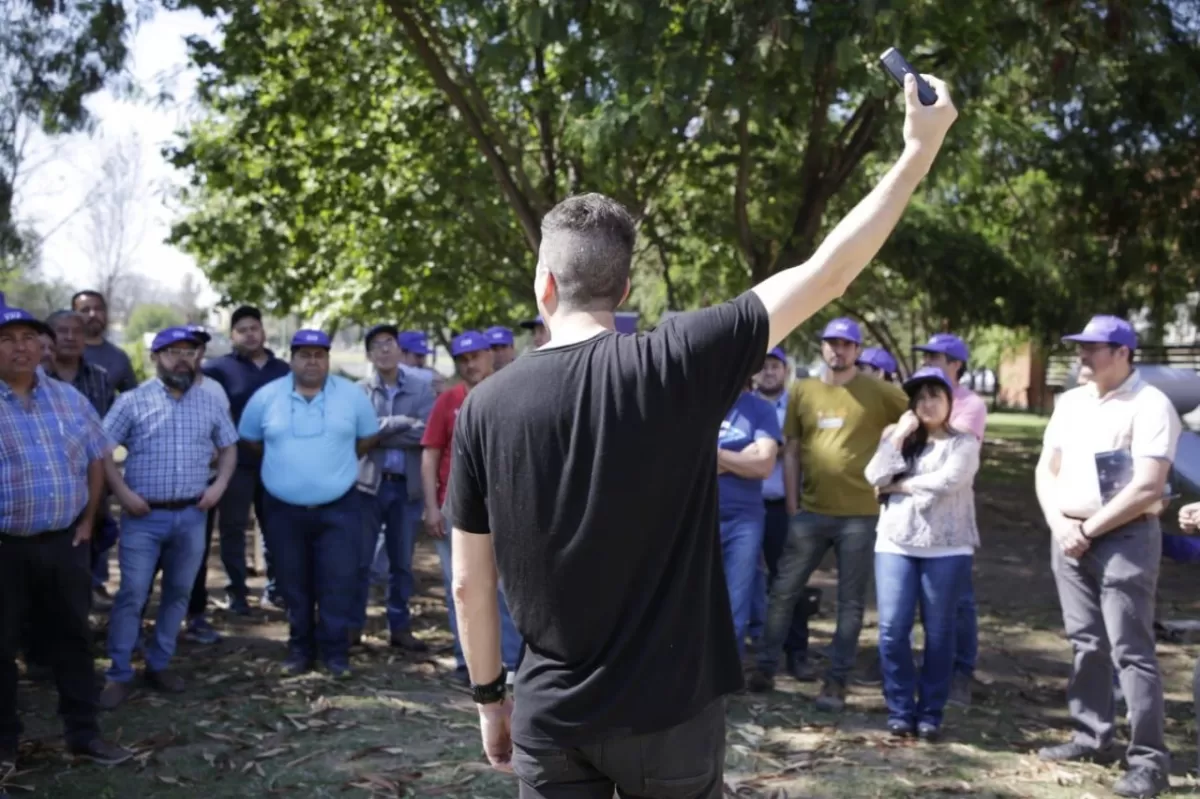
(686, 761)
(1107, 599)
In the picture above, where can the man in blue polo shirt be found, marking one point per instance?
(501, 341)
(241, 373)
(313, 427)
(389, 480)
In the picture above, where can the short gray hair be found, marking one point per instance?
(587, 244)
(63, 313)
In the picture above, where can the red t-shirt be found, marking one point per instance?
(439, 432)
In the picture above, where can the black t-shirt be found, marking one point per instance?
(593, 466)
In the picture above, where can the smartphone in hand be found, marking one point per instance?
(897, 66)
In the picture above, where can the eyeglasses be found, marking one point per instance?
(386, 344)
(181, 354)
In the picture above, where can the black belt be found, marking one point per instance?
(774, 502)
(392, 477)
(175, 504)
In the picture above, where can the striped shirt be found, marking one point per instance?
(170, 441)
(45, 450)
(92, 382)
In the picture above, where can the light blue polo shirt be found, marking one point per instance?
(308, 446)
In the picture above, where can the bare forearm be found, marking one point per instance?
(95, 482)
(226, 463)
(749, 463)
(791, 473)
(431, 459)
(474, 585)
(1044, 482)
(793, 295)
(1132, 501)
(112, 474)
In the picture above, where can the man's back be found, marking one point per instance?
(593, 466)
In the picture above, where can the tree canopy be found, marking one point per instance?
(393, 159)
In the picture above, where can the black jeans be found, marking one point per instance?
(47, 573)
(775, 535)
(245, 491)
(684, 762)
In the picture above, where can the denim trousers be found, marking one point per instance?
(391, 513)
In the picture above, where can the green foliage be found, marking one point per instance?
(34, 293)
(139, 358)
(151, 318)
(392, 160)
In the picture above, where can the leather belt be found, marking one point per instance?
(175, 504)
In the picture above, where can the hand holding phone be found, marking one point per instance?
(897, 66)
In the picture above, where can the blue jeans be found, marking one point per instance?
(902, 585)
(398, 516)
(966, 635)
(775, 535)
(511, 642)
(852, 539)
(741, 552)
(176, 536)
(316, 563)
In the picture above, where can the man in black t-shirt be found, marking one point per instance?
(584, 473)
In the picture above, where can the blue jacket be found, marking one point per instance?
(414, 401)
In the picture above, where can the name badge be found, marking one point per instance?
(830, 423)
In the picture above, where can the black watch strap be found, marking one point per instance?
(493, 692)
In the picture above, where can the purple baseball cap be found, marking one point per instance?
(414, 341)
(626, 321)
(926, 374)
(530, 324)
(19, 316)
(879, 358)
(1103, 329)
(201, 333)
(778, 353)
(844, 329)
(174, 335)
(469, 341)
(499, 336)
(947, 344)
(311, 338)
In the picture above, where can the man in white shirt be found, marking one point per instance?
(1107, 453)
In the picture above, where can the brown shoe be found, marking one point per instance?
(832, 698)
(101, 751)
(114, 693)
(404, 639)
(165, 681)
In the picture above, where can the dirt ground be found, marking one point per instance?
(400, 727)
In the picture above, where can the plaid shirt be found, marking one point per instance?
(92, 382)
(170, 441)
(45, 450)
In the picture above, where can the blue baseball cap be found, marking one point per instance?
(926, 374)
(311, 338)
(947, 344)
(777, 352)
(879, 358)
(1103, 329)
(200, 332)
(414, 341)
(499, 336)
(530, 324)
(174, 335)
(375, 330)
(19, 316)
(844, 329)
(469, 341)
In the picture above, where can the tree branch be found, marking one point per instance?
(740, 198)
(545, 125)
(527, 215)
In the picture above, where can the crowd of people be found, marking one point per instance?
(590, 547)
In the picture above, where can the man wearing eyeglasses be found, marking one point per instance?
(312, 428)
(390, 481)
(169, 429)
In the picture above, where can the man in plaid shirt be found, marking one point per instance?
(169, 428)
(51, 479)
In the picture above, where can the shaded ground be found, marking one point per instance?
(400, 728)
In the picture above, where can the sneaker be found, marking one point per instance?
(832, 698)
(801, 669)
(101, 751)
(271, 602)
(238, 606)
(760, 682)
(296, 665)
(1142, 783)
(1073, 752)
(165, 681)
(338, 671)
(899, 729)
(929, 733)
(113, 694)
(404, 639)
(960, 691)
(199, 631)
(101, 599)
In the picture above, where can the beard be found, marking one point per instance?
(178, 380)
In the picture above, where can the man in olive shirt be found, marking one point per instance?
(832, 428)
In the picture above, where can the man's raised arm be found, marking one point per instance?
(795, 294)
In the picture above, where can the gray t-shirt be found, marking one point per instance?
(115, 362)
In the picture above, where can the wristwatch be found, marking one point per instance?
(492, 693)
